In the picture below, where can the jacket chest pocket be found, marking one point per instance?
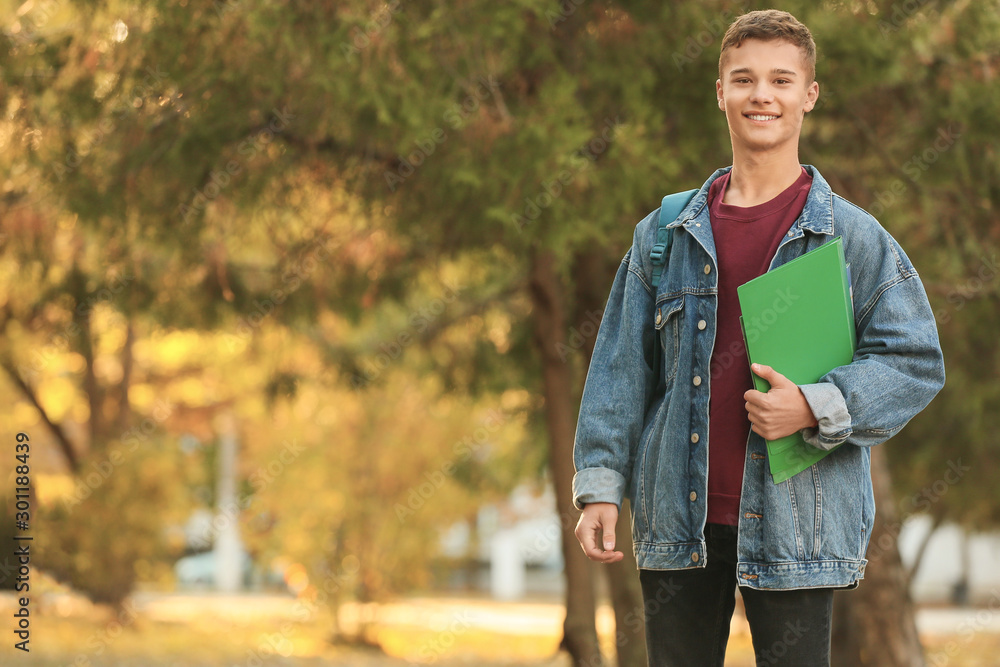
(666, 318)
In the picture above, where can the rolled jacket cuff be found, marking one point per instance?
(598, 485)
(828, 406)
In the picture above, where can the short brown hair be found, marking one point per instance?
(769, 25)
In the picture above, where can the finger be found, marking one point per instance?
(594, 552)
(772, 376)
(765, 431)
(592, 534)
(608, 520)
(589, 532)
(585, 534)
(609, 539)
(604, 533)
(605, 555)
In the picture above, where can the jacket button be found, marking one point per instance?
(659, 317)
(695, 437)
(694, 557)
(696, 380)
(708, 269)
(702, 324)
(693, 496)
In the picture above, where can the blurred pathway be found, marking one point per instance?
(543, 617)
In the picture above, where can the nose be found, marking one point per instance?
(762, 94)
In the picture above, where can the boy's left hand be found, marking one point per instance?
(781, 411)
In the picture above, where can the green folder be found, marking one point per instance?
(799, 320)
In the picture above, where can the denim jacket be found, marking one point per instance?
(643, 424)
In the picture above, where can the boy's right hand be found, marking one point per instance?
(596, 532)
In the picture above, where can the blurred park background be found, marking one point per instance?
(297, 301)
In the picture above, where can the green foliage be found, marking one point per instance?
(113, 529)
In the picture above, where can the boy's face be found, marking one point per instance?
(765, 92)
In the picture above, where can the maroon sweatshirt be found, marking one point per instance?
(746, 239)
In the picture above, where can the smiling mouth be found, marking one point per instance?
(761, 117)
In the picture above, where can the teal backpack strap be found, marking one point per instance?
(670, 208)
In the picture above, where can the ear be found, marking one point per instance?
(812, 94)
(718, 94)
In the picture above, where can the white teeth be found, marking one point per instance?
(760, 117)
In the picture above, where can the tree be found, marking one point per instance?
(217, 139)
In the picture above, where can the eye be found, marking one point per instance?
(780, 81)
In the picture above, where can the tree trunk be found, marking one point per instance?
(626, 597)
(82, 319)
(592, 277)
(549, 325)
(124, 416)
(874, 624)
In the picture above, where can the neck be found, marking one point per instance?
(757, 179)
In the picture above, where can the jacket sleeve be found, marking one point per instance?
(897, 369)
(619, 385)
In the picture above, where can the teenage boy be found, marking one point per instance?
(685, 438)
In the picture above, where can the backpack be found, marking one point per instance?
(670, 208)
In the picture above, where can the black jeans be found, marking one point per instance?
(688, 614)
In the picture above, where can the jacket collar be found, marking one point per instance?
(817, 214)
(816, 217)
